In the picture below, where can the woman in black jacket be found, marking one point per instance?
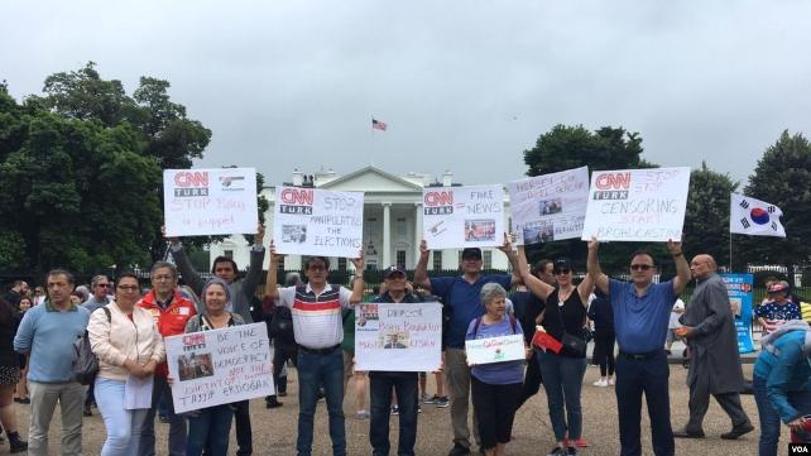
(9, 374)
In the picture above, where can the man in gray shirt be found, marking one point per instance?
(99, 286)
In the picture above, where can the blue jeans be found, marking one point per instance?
(122, 425)
(177, 425)
(316, 370)
(770, 420)
(563, 382)
(405, 386)
(650, 375)
(209, 430)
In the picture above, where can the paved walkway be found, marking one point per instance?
(275, 430)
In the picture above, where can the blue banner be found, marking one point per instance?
(739, 287)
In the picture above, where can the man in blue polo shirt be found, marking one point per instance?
(641, 316)
(461, 294)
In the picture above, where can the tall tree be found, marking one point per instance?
(707, 220)
(782, 177)
(566, 147)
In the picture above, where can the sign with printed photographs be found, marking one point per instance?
(309, 221)
(398, 337)
(549, 207)
(219, 367)
(458, 217)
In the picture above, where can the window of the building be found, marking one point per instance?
(401, 258)
(487, 259)
(228, 254)
(437, 260)
(342, 264)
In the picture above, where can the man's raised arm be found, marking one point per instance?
(421, 271)
(593, 267)
(271, 284)
(682, 268)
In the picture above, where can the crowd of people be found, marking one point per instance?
(311, 324)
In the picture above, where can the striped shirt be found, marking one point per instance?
(316, 317)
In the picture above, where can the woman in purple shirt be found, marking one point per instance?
(497, 386)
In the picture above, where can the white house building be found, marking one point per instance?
(392, 228)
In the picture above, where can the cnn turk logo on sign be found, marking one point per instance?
(438, 203)
(297, 201)
(612, 186)
(191, 183)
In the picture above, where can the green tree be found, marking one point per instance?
(566, 147)
(782, 177)
(707, 220)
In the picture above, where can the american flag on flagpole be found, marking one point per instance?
(378, 125)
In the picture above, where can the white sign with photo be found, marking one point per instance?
(495, 349)
(308, 221)
(458, 217)
(219, 367)
(549, 207)
(637, 204)
(398, 337)
(201, 202)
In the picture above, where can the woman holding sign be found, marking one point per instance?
(127, 344)
(496, 387)
(563, 317)
(210, 427)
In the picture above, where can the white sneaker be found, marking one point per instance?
(601, 383)
(611, 381)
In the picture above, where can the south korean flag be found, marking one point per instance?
(754, 217)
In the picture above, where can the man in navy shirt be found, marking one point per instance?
(461, 294)
(641, 316)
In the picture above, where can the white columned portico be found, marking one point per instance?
(417, 231)
(386, 235)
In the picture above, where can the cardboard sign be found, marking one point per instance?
(398, 337)
(458, 217)
(637, 204)
(219, 367)
(495, 349)
(199, 202)
(308, 221)
(549, 207)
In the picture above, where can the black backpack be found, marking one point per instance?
(86, 364)
(281, 326)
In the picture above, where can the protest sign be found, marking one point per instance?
(495, 349)
(198, 202)
(637, 204)
(219, 367)
(457, 217)
(398, 337)
(309, 221)
(739, 287)
(550, 207)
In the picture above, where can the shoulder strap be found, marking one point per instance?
(107, 312)
(512, 323)
(476, 326)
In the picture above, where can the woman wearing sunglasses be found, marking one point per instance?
(563, 317)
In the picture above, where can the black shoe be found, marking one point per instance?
(272, 403)
(16, 445)
(684, 434)
(459, 450)
(738, 431)
(164, 419)
(88, 411)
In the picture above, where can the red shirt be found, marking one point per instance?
(171, 321)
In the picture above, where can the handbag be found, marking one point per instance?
(573, 344)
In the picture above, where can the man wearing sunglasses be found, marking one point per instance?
(641, 317)
(99, 286)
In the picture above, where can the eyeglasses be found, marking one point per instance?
(128, 287)
(641, 267)
(563, 271)
(103, 285)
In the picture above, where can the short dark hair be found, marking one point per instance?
(126, 274)
(642, 252)
(223, 259)
(540, 266)
(314, 258)
(161, 265)
(64, 272)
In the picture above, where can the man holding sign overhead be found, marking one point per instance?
(641, 317)
(461, 295)
(318, 330)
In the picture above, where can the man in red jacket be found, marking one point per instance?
(171, 312)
